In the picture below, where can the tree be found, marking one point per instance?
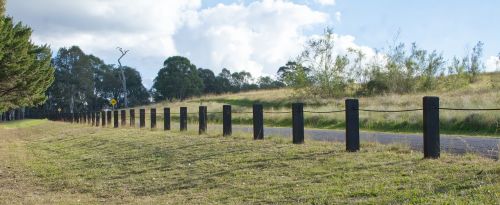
(2, 8)
(328, 67)
(476, 66)
(266, 82)
(123, 78)
(25, 70)
(178, 79)
(241, 80)
(75, 86)
(223, 81)
(209, 81)
(137, 93)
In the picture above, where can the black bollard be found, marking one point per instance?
(258, 122)
(142, 118)
(123, 115)
(202, 120)
(97, 117)
(132, 118)
(115, 119)
(153, 118)
(183, 118)
(103, 119)
(298, 123)
(352, 125)
(166, 118)
(431, 127)
(227, 129)
(108, 117)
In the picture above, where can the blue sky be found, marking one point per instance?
(450, 26)
(255, 36)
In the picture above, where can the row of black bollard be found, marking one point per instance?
(431, 138)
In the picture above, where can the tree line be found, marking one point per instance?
(180, 79)
(74, 81)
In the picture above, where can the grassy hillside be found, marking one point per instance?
(483, 94)
(57, 163)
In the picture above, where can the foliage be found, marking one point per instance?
(475, 65)
(327, 67)
(25, 70)
(2, 8)
(85, 83)
(178, 79)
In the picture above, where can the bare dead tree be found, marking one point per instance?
(124, 80)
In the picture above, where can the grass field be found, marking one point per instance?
(46, 162)
(483, 94)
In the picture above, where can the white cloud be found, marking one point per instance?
(258, 37)
(326, 2)
(338, 16)
(144, 27)
(493, 63)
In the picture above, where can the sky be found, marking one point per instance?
(255, 36)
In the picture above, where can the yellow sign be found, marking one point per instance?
(113, 102)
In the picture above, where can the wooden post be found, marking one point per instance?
(153, 118)
(258, 122)
(142, 118)
(115, 119)
(108, 116)
(227, 129)
(298, 123)
(183, 118)
(103, 118)
(431, 127)
(132, 118)
(352, 125)
(97, 117)
(166, 118)
(123, 115)
(202, 120)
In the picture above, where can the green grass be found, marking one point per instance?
(57, 163)
(482, 94)
(21, 123)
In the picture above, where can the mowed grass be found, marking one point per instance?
(58, 163)
(484, 93)
(21, 123)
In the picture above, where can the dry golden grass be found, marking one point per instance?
(483, 94)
